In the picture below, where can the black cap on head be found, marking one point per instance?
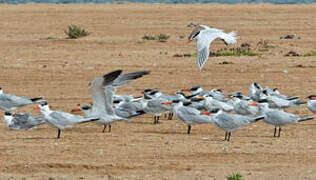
(153, 92)
(43, 103)
(85, 107)
(147, 90)
(187, 103)
(8, 113)
(194, 88)
(176, 101)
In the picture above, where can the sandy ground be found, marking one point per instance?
(60, 70)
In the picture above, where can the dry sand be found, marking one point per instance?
(60, 70)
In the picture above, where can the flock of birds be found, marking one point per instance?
(228, 112)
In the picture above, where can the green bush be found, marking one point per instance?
(235, 176)
(75, 32)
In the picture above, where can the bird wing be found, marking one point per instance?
(129, 77)
(99, 89)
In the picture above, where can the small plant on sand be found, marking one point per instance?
(160, 37)
(148, 37)
(313, 53)
(237, 52)
(75, 32)
(163, 37)
(235, 176)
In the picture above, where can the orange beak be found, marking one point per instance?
(186, 90)
(229, 96)
(189, 41)
(37, 107)
(253, 104)
(313, 98)
(205, 113)
(167, 102)
(76, 110)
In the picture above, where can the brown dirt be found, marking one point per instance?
(60, 70)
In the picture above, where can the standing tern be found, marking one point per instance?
(311, 103)
(205, 36)
(277, 102)
(60, 119)
(188, 115)
(279, 118)
(231, 122)
(102, 90)
(9, 101)
(22, 121)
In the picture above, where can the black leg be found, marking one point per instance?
(158, 117)
(58, 133)
(104, 127)
(225, 135)
(155, 119)
(275, 130)
(170, 116)
(189, 129)
(229, 134)
(110, 127)
(279, 132)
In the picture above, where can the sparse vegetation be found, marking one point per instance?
(235, 176)
(313, 53)
(160, 37)
(163, 37)
(75, 32)
(148, 37)
(236, 52)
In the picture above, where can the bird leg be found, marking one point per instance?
(110, 127)
(158, 117)
(279, 132)
(155, 119)
(58, 133)
(225, 136)
(228, 137)
(104, 127)
(189, 129)
(275, 130)
(170, 116)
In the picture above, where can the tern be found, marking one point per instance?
(279, 118)
(188, 115)
(311, 103)
(244, 107)
(205, 36)
(22, 121)
(10, 102)
(212, 104)
(231, 122)
(277, 102)
(102, 90)
(60, 119)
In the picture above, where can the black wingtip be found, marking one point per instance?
(36, 99)
(111, 76)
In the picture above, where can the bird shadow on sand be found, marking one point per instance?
(160, 132)
(37, 138)
(135, 122)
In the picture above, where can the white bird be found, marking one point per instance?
(188, 115)
(212, 104)
(9, 101)
(244, 107)
(102, 90)
(279, 118)
(311, 103)
(22, 121)
(154, 106)
(277, 102)
(231, 122)
(205, 36)
(60, 119)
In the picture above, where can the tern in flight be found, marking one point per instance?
(205, 36)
